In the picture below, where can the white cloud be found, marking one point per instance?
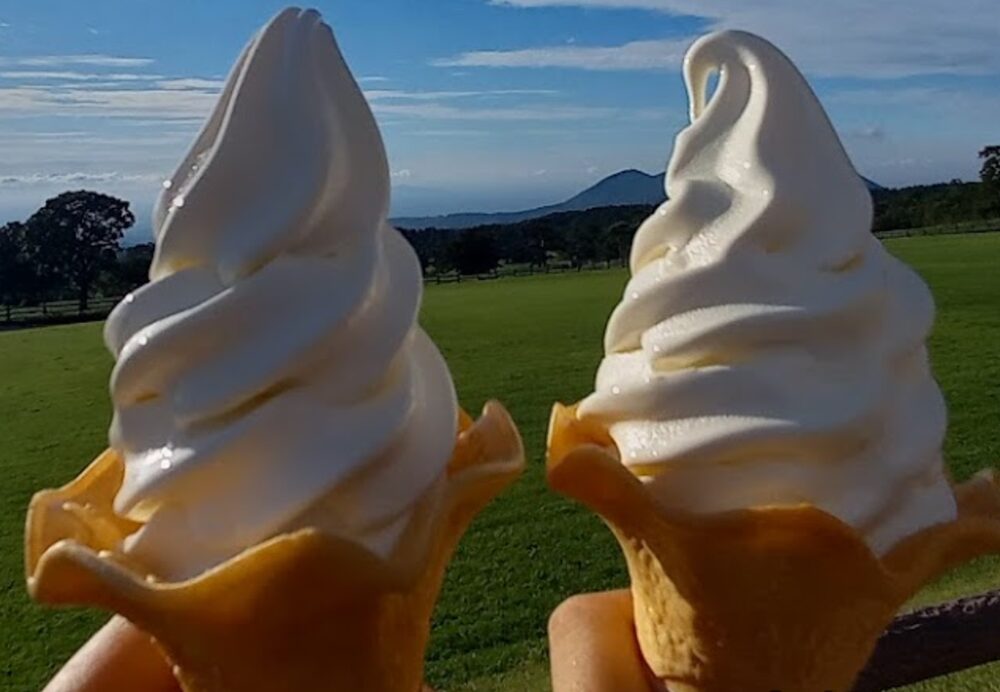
(46, 75)
(636, 55)
(402, 174)
(846, 38)
(191, 83)
(448, 133)
(192, 98)
(375, 78)
(4, 25)
(161, 104)
(388, 95)
(92, 31)
(969, 105)
(438, 111)
(84, 178)
(869, 132)
(93, 60)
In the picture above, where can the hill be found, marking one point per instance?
(625, 188)
(629, 187)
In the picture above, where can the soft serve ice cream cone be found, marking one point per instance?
(289, 470)
(765, 435)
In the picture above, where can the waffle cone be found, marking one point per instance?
(302, 611)
(787, 598)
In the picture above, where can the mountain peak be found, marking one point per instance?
(628, 187)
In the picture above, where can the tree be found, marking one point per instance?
(130, 271)
(474, 252)
(420, 242)
(990, 172)
(75, 236)
(15, 272)
(583, 243)
(619, 237)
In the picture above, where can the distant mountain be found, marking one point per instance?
(625, 187)
(622, 188)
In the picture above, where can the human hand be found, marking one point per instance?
(592, 646)
(591, 638)
(119, 657)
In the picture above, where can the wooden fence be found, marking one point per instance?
(57, 311)
(64, 311)
(962, 228)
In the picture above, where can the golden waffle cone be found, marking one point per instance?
(775, 598)
(302, 611)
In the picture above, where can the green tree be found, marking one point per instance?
(990, 172)
(15, 271)
(474, 252)
(618, 239)
(583, 242)
(76, 236)
(130, 271)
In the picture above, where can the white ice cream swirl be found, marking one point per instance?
(275, 361)
(768, 350)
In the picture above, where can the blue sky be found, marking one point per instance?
(486, 104)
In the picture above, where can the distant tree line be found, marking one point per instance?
(71, 248)
(603, 236)
(935, 205)
(575, 239)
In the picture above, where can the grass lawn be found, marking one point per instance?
(528, 342)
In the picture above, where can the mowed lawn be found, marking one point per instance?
(528, 342)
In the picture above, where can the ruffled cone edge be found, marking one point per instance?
(786, 598)
(303, 610)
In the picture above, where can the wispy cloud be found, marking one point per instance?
(93, 60)
(191, 98)
(46, 75)
(77, 178)
(439, 111)
(389, 95)
(847, 38)
(118, 103)
(966, 103)
(374, 78)
(635, 55)
(191, 83)
(874, 133)
(447, 133)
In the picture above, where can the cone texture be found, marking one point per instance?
(302, 611)
(787, 598)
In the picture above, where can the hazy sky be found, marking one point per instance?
(486, 104)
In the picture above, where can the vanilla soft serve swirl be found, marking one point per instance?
(768, 350)
(274, 361)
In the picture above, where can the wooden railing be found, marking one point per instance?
(935, 641)
(56, 311)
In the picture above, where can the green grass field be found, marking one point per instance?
(528, 342)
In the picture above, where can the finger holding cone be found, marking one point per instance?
(304, 610)
(786, 598)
